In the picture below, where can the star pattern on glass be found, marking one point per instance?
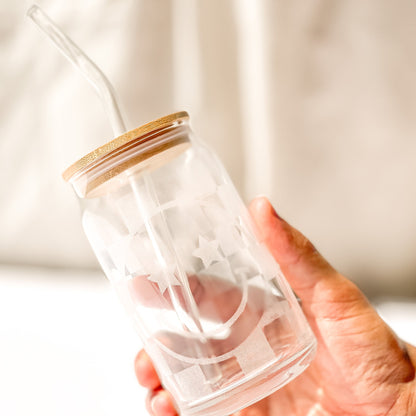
(242, 272)
(207, 251)
(164, 278)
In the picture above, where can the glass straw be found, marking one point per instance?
(107, 95)
(87, 67)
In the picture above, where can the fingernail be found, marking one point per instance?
(160, 404)
(153, 405)
(266, 205)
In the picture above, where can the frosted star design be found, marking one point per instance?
(207, 251)
(242, 272)
(164, 279)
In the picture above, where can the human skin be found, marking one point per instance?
(361, 368)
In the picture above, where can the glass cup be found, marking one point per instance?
(211, 305)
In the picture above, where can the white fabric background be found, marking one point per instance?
(312, 103)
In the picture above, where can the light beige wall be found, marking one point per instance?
(332, 92)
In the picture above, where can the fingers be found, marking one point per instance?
(159, 403)
(145, 371)
(301, 263)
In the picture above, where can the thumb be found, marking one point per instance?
(325, 293)
(343, 320)
(301, 263)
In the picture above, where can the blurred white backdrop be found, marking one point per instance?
(67, 347)
(312, 104)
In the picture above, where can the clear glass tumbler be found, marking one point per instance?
(210, 303)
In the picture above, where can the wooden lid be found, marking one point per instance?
(134, 137)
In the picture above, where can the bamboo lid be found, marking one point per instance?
(136, 136)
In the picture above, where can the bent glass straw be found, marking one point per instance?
(107, 95)
(87, 67)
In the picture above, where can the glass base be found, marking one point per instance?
(261, 384)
